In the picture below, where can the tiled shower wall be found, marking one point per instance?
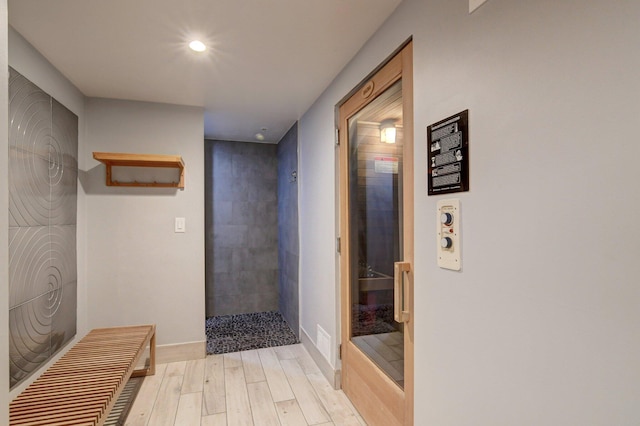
(288, 227)
(43, 172)
(242, 228)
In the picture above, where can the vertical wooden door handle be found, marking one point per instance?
(401, 291)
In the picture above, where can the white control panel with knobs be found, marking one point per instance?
(448, 232)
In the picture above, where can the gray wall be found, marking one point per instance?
(245, 229)
(140, 271)
(530, 332)
(288, 227)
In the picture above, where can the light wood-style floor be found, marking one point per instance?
(273, 386)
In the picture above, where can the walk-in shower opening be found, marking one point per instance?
(251, 274)
(241, 332)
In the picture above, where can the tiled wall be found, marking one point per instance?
(242, 258)
(288, 227)
(43, 173)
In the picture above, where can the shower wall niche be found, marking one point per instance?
(43, 172)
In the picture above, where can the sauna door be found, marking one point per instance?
(376, 229)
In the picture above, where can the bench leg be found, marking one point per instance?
(151, 369)
(152, 356)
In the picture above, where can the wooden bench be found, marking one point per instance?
(84, 384)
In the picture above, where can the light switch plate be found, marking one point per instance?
(448, 221)
(180, 225)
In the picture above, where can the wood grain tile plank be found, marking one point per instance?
(176, 369)
(194, 376)
(233, 360)
(189, 409)
(308, 400)
(214, 400)
(297, 349)
(164, 411)
(238, 406)
(146, 398)
(307, 363)
(335, 402)
(285, 352)
(253, 371)
(219, 419)
(348, 421)
(263, 408)
(350, 404)
(290, 413)
(278, 383)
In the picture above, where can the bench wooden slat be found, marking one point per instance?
(79, 381)
(54, 391)
(66, 410)
(84, 384)
(97, 369)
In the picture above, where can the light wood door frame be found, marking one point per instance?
(375, 395)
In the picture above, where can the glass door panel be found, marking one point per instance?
(375, 141)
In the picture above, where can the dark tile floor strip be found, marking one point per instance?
(241, 332)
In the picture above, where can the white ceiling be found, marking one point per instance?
(267, 61)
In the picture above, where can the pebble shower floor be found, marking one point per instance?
(241, 332)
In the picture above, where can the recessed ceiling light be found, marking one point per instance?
(261, 134)
(197, 46)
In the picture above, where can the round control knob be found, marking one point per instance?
(446, 242)
(446, 218)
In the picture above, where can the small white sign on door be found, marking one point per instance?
(387, 165)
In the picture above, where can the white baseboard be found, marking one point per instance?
(332, 375)
(181, 352)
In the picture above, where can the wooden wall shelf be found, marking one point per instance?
(110, 159)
